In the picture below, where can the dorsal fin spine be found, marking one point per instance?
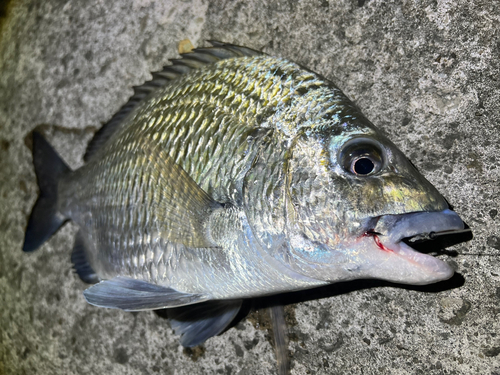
(188, 62)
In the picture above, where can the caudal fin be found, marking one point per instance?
(45, 220)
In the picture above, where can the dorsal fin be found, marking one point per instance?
(197, 59)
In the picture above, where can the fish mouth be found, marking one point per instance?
(393, 234)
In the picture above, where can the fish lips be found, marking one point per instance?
(411, 266)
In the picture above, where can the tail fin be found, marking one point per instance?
(45, 220)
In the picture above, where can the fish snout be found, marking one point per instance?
(404, 264)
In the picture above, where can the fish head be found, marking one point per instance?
(353, 197)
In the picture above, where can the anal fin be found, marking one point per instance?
(197, 323)
(80, 261)
(137, 295)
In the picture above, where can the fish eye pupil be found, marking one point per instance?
(362, 157)
(363, 166)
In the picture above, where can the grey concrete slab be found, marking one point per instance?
(424, 71)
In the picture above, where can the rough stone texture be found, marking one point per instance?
(426, 72)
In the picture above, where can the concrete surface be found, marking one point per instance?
(424, 71)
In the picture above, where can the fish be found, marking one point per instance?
(232, 175)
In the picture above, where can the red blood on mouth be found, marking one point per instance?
(374, 234)
(380, 244)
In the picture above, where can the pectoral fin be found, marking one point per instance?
(196, 324)
(178, 205)
(136, 295)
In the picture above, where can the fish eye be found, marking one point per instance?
(362, 157)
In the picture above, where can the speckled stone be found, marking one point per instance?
(426, 72)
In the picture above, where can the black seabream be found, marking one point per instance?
(231, 175)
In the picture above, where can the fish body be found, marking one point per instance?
(238, 175)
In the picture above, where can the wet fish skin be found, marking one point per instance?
(231, 182)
